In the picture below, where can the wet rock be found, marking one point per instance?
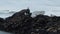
(22, 23)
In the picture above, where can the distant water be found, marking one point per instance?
(5, 14)
(2, 32)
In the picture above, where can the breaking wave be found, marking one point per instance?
(6, 13)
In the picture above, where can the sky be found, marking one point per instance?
(50, 6)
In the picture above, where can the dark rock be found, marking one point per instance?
(22, 23)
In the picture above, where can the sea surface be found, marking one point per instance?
(5, 14)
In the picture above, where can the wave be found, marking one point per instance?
(2, 32)
(6, 11)
(35, 13)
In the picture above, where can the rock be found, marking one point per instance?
(22, 23)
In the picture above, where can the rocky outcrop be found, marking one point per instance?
(22, 23)
(19, 22)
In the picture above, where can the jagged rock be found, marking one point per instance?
(2, 21)
(19, 22)
(22, 23)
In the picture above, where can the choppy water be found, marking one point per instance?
(2, 32)
(5, 14)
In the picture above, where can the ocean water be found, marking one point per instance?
(5, 14)
(2, 32)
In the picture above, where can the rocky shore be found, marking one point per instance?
(22, 23)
